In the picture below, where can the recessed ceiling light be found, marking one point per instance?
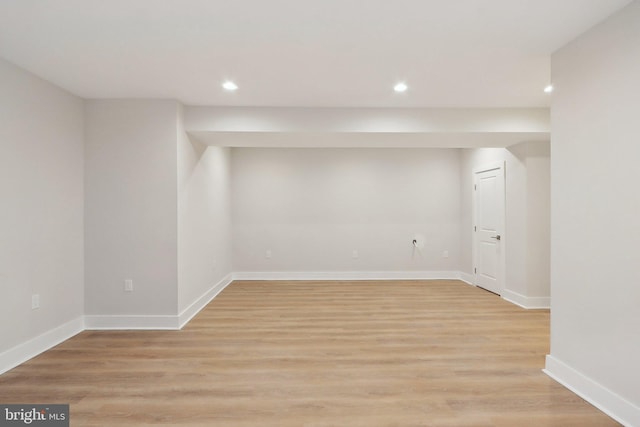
(401, 87)
(548, 89)
(230, 86)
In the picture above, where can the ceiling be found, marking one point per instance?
(310, 53)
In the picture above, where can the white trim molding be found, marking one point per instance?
(131, 322)
(23, 352)
(347, 275)
(599, 396)
(530, 303)
(466, 278)
(189, 313)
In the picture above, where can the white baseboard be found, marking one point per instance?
(189, 312)
(529, 303)
(346, 275)
(599, 396)
(21, 353)
(466, 278)
(131, 322)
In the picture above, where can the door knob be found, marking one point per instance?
(496, 237)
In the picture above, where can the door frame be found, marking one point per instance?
(474, 216)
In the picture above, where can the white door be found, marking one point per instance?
(488, 235)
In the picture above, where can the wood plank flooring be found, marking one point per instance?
(402, 353)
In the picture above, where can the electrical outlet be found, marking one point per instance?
(267, 253)
(128, 285)
(35, 301)
(445, 254)
(354, 254)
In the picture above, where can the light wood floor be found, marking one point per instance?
(404, 353)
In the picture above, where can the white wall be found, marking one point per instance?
(131, 207)
(313, 207)
(41, 219)
(204, 216)
(538, 242)
(595, 274)
(526, 241)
